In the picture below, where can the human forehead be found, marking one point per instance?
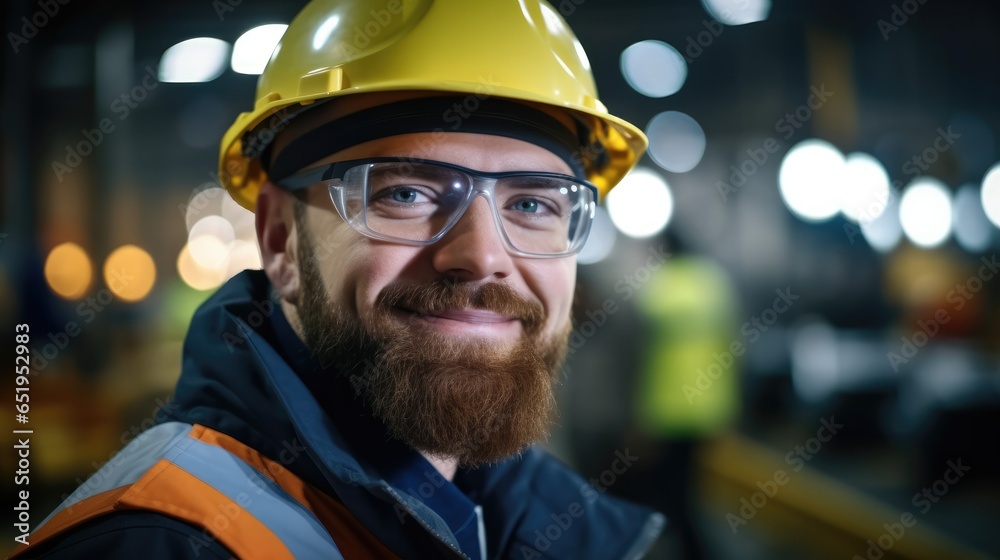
(481, 152)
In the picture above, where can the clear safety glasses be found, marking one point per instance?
(416, 202)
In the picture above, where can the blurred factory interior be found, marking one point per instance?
(788, 314)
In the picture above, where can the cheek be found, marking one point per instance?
(375, 265)
(553, 282)
(354, 268)
(338, 254)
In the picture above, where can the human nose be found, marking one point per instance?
(473, 249)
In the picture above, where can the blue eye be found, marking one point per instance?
(527, 205)
(405, 196)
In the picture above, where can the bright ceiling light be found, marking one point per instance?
(253, 49)
(991, 194)
(201, 59)
(641, 205)
(925, 212)
(676, 141)
(654, 68)
(811, 180)
(737, 12)
(865, 188)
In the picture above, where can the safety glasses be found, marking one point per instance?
(417, 202)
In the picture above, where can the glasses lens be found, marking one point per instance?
(543, 215)
(414, 201)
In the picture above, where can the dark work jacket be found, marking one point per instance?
(247, 375)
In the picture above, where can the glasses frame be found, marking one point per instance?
(482, 183)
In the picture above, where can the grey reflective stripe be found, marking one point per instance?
(647, 536)
(289, 520)
(129, 464)
(482, 532)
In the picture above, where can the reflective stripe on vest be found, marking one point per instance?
(128, 465)
(298, 529)
(250, 504)
(353, 539)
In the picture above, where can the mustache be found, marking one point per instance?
(444, 295)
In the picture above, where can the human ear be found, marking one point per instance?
(276, 236)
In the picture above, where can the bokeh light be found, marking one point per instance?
(197, 276)
(814, 359)
(925, 212)
(201, 59)
(884, 232)
(242, 220)
(991, 194)
(129, 273)
(737, 12)
(676, 141)
(210, 241)
(253, 49)
(641, 205)
(206, 202)
(243, 256)
(811, 180)
(601, 241)
(653, 68)
(68, 271)
(973, 230)
(865, 188)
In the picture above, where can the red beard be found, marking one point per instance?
(471, 399)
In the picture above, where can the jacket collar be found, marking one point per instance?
(246, 374)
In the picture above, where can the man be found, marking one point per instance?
(422, 174)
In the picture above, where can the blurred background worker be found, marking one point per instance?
(687, 391)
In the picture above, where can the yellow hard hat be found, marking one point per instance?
(519, 50)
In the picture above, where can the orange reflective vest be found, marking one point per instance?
(253, 506)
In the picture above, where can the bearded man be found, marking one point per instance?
(422, 173)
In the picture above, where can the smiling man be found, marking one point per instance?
(422, 173)
(461, 337)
